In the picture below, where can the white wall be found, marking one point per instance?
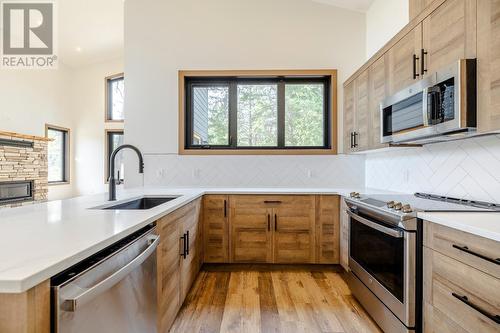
(162, 37)
(71, 98)
(29, 99)
(88, 96)
(384, 19)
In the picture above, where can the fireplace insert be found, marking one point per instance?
(16, 191)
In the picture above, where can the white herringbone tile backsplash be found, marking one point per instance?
(464, 169)
(254, 171)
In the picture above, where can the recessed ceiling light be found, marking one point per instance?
(78, 49)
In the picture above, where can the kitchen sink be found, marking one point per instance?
(141, 203)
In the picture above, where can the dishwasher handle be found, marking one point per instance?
(72, 304)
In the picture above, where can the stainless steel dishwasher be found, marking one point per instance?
(112, 291)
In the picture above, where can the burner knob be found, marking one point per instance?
(390, 204)
(398, 206)
(355, 195)
(407, 209)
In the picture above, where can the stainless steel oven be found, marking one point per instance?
(440, 107)
(383, 261)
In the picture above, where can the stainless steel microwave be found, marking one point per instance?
(440, 107)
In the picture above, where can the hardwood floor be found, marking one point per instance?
(278, 298)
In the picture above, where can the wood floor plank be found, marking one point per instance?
(271, 299)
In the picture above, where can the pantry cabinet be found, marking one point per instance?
(417, 6)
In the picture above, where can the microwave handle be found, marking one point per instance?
(425, 107)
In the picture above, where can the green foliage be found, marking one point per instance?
(257, 115)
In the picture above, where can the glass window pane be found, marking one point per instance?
(304, 115)
(210, 116)
(257, 115)
(115, 139)
(56, 152)
(117, 95)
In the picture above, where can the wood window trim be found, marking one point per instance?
(106, 150)
(106, 97)
(332, 73)
(67, 162)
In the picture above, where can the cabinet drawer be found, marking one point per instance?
(464, 295)
(478, 252)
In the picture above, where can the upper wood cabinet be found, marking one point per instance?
(216, 228)
(403, 61)
(449, 34)
(349, 121)
(417, 6)
(443, 32)
(377, 91)
(488, 65)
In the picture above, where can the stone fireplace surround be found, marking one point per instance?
(24, 163)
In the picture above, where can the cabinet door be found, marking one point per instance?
(250, 225)
(348, 116)
(449, 34)
(168, 265)
(294, 232)
(377, 92)
(327, 229)
(216, 228)
(417, 6)
(400, 60)
(488, 65)
(361, 109)
(344, 235)
(190, 266)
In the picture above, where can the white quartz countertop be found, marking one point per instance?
(38, 241)
(485, 225)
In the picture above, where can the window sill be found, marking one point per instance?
(332, 151)
(114, 121)
(59, 183)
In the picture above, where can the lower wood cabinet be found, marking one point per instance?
(216, 228)
(284, 229)
(251, 225)
(176, 273)
(461, 286)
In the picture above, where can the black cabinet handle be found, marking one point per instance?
(275, 222)
(187, 242)
(183, 239)
(423, 70)
(415, 74)
(225, 208)
(465, 300)
(272, 201)
(467, 250)
(268, 222)
(355, 134)
(352, 140)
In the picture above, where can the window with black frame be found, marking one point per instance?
(58, 154)
(114, 139)
(258, 113)
(115, 97)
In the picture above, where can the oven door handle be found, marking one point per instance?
(388, 231)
